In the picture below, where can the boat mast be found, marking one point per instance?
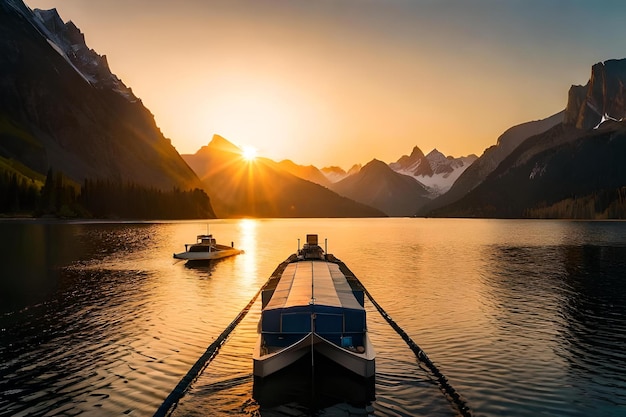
(208, 236)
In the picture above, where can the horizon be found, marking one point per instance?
(342, 83)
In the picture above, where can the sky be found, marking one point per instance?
(341, 82)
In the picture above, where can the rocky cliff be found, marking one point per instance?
(414, 164)
(564, 173)
(574, 169)
(62, 108)
(436, 171)
(491, 158)
(602, 98)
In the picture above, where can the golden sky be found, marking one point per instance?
(339, 82)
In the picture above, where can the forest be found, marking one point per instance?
(600, 205)
(98, 198)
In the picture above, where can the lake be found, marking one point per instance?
(523, 317)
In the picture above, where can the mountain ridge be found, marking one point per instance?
(434, 170)
(540, 175)
(262, 188)
(63, 109)
(377, 185)
(572, 170)
(53, 116)
(491, 159)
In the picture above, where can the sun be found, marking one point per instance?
(248, 153)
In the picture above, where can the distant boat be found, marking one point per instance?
(205, 249)
(313, 304)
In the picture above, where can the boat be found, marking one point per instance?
(205, 249)
(323, 391)
(313, 304)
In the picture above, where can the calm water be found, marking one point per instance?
(524, 318)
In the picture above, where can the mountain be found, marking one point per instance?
(491, 158)
(62, 108)
(260, 188)
(336, 174)
(576, 169)
(602, 98)
(309, 173)
(377, 185)
(415, 164)
(435, 170)
(563, 172)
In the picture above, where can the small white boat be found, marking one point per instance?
(205, 249)
(313, 304)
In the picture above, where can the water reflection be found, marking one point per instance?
(30, 263)
(248, 240)
(556, 310)
(35, 254)
(100, 311)
(203, 268)
(523, 317)
(522, 295)
(78, 339)
(313, 389)
(596, 325)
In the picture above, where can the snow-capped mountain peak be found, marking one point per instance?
(69, 42)
(435, 170)
(415, 164)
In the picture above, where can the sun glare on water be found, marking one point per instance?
(249, 153)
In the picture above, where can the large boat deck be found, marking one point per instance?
(312, 302)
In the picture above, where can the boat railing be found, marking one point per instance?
(343, 339)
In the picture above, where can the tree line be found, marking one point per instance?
(599, 205)
(17, 193)
(99, 198)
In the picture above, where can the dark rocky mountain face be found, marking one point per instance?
(582, 175)
(478, 171)
(71, 41)
(602, 98)
(377, 185)
(61, 108)
(573, 170)
(261, 188)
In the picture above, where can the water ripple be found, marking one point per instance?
(523, 318)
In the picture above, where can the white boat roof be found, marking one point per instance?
(313, 282)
